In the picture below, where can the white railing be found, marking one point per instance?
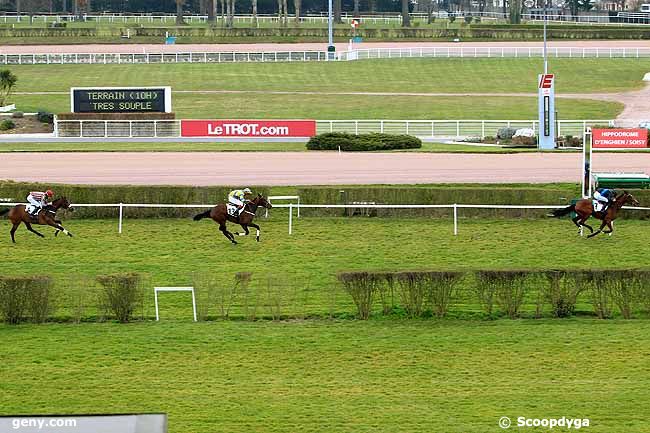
(455, 208)
(145, 58)
(419, 128)
(319, 56)
(482, 52)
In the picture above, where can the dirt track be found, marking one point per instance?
(294, 168)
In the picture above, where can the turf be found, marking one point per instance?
(378, 376)
(325, 107)
(396, 75)
(177, 252)
(225, 147)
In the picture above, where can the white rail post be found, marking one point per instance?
(298, 206)
(290, 218)
(455, 220)
(119, 225)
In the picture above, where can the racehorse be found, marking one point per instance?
(46, 216)
(584, 209)
(219, 214)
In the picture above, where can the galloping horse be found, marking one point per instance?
(584, 209)
(46, 216)
(219, 214)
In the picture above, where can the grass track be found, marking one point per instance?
(495, 75)
(378, 376)
(266, 106)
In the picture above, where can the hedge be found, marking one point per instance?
(362, 142)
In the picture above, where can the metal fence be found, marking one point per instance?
(305, 56)
(476, 52)
(418, 128)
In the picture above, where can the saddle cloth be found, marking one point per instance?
(598, 206)
(232, 210)
(30, 208)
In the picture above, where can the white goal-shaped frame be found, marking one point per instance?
(174, 289)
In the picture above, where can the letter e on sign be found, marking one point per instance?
(546, 83)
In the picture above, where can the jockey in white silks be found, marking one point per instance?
(39, 200)
(239, 198)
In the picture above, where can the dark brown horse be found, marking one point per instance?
(584, 209)
(219, 214)
(46, 216)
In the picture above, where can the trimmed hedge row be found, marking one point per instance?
(479, 31)
(500, 293)
(362, 142)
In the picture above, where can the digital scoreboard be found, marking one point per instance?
(121, 99)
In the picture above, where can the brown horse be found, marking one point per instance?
(219, 214)
(584, 209)
(46, 216)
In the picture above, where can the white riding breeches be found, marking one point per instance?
(598, 196)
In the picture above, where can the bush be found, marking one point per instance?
(506, 133)
(468, 19)
(362, 287)
(121, 294)
(45, 117)
(451, 18)
(562, 291)
(440, 290)
(6, 125)
(412, 291)
(363, 142)
(21, 294)
(17, 115)
(507, 288)
(524, 141)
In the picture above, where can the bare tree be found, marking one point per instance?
(406, 17)
(372, 5)
(337, 12)
(210, 10)
(179, 12)
(356, 8)
(255, 22)
(297, 4)
(284, 7)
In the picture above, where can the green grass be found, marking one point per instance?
(381, 376)
(325, 107)
(171, 251)
(395, 75)
(223, 147)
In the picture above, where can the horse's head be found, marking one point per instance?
(62, 203)
(261, 201)
(629, 199)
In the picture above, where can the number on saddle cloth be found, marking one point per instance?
(232, 210)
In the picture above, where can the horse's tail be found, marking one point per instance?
(561, 212)
(200, 216)
(4, 211)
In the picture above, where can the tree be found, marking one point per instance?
(255, 21)
(514, 11)
(211, 10)
(356, 8)
(179, 12)
(406, 17)
(7, 83)
(297, 5)
(337, 12)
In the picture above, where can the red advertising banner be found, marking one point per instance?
(619, 138)
(248, 128)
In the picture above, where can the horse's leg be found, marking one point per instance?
(246, 232)
(256, 227)
(226, 233)
(13, 231)
(29, 227)
(52, 223)
(584, 224)
(600, 229)
(610, 226)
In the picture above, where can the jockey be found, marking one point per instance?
(39, 200)
(604, 196)
(239, 198)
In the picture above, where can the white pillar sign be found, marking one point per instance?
(546, 93)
